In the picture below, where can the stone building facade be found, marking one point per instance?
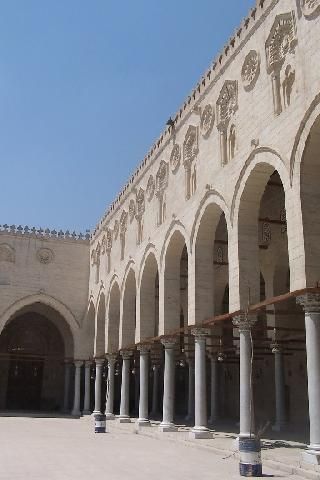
(207, 263)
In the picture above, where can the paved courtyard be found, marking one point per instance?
(67, 449)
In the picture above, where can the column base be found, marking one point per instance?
(86, 412)
(110, 416)
(124, 419)
(168, 427)
(143, 422)
(200, 433)
(311, 456)
(96, 412)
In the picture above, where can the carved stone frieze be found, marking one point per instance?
(250, 69)
(175, 158)
(227, 103)
(162, 176)
(7, 253)
(190, 145)
(132, 210)
(45, 255)
(150, 188)
(207, 121)
(310, 8)
(281, 40)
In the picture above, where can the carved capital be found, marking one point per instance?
(310, 302)
(88, 363)
(144, 349)
(111, 358)
(243, 322)
(276, 348)
(99, 362)
(78, 363)
(126, 354)
(199, 332)
(169, 342)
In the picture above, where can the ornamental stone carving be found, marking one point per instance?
(140, 200)
(281, 40)
(45, 255)
(132, 210)
(250, 70)
(7, 253)
(116, 229)
(310, 8)
(162, 176)
(227, 103)
(266, 233)
(123, 221)
(190, 145)
(106, 244)
(175, 158)
(150, 188)
(207, 121)
(310, 302)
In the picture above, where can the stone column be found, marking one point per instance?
(213, 389)
(200, 430)
(155, 391)
(244, 325)
(110, 387)
(279, 388)
(124, 416)
(87, 371)
(311, 306)
(97, 385)
(67, 378)
(190, 414)
(77, 379)
(143, 419)
(167, 424)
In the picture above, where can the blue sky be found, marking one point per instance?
(85, 89)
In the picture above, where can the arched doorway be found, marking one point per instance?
(33, 347)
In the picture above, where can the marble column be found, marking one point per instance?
(155, 391)
(67, 380)
(124, 416)
(190, 414)
(279, 382)
(167, 424)
(213, 389)
(143, 419)
(200, 429)
(311, 305)
(244, 325)
(97, 385)
(110, 387)
(77, 380)
(87, 373)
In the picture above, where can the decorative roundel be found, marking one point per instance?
(207, 120)
(45, 255)
(132, 210)
(116, 229)
(150, 188)
(250, 69)
(175, 158)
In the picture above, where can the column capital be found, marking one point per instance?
(88, 363)
(200, 332)
(78, 363)
(99, 361)
(126, 354)
(310, 302)
(276, 348)
(169, 342)
(111, 358)
(144, 348)
(243, 322)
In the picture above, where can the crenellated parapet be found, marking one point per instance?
(44, 233)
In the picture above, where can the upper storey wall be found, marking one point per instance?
(254, 99)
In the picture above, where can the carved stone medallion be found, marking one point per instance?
(227, 103)
(150, 188)
(310, 7)
(132, 210)
(175, 158)
(45, 255)
(207, 121)
(250, 69)
(281, 40)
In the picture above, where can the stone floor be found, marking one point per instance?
(68, 449)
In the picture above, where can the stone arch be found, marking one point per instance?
(170, 301)
(175, 226)
(100, 320)
(88, 330)
(150, 248)
(149, 297)
(128, 309)
(113, 317)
